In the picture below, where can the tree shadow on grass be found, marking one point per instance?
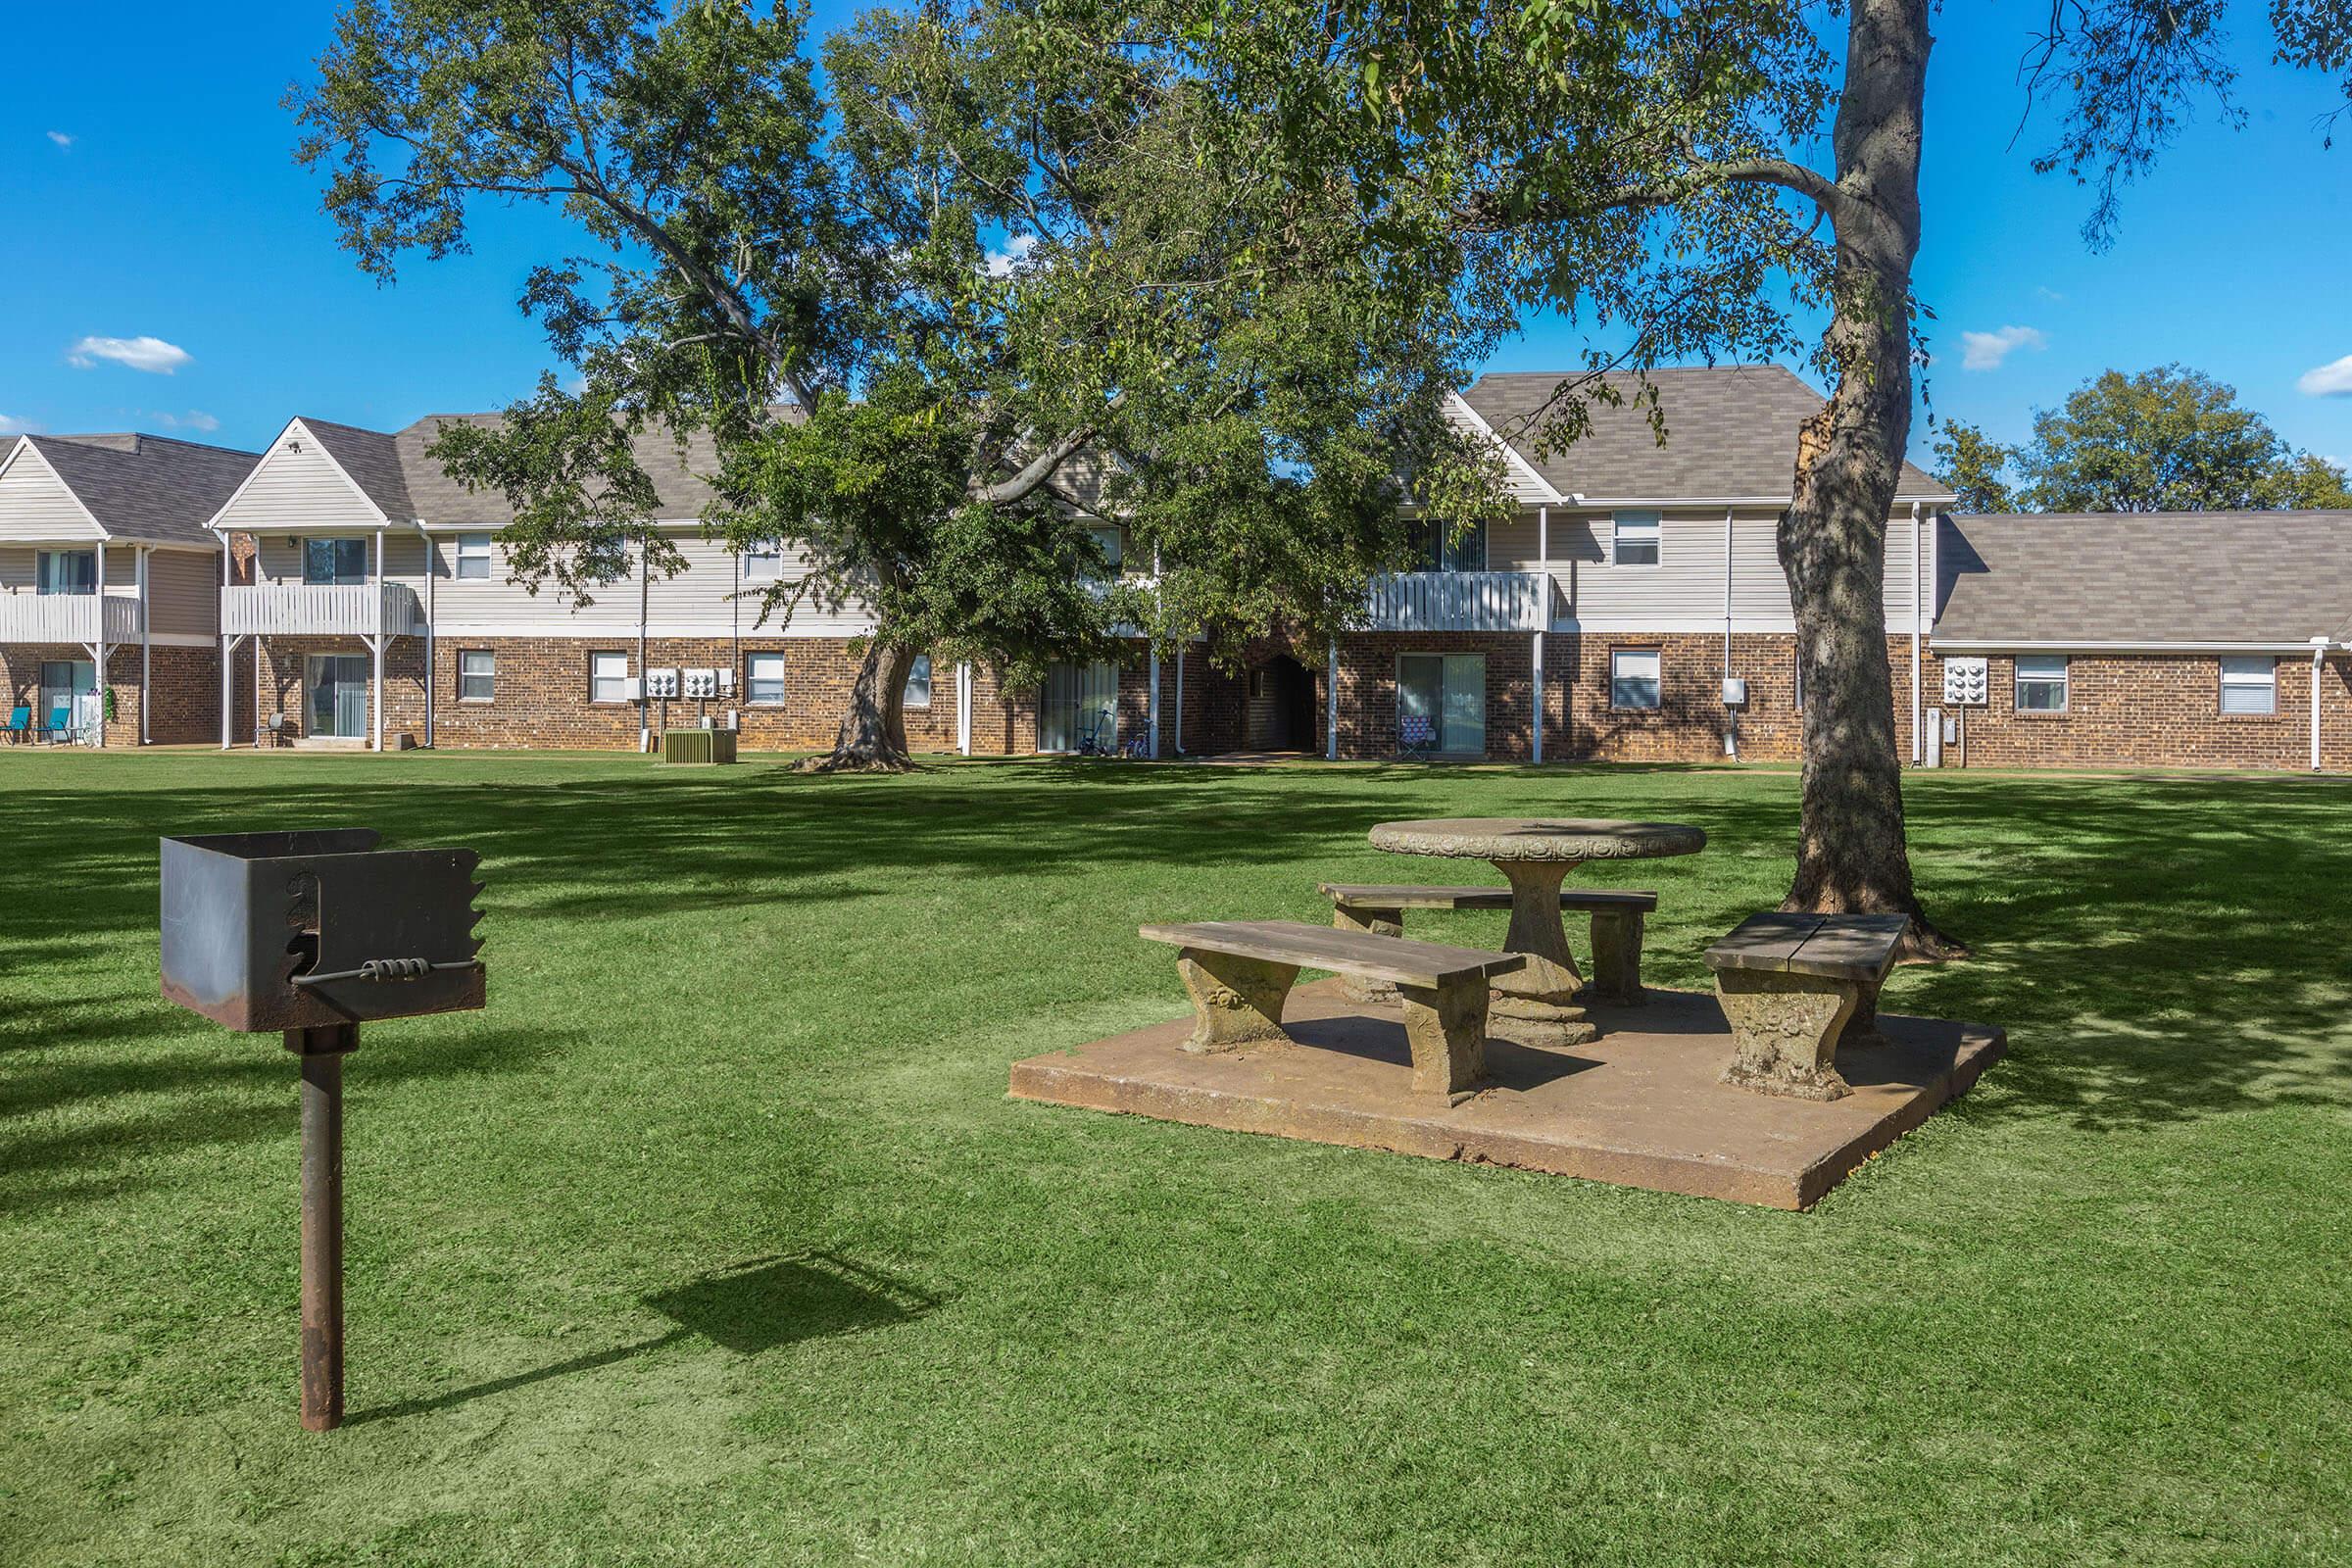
(746, 1308)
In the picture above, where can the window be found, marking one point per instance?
(1634, 540)
(334, 561)
(1110, 541)
(1441, 704)
(68, 572)
(1799, 661)
(763, 680)
(607, 677)
(918, 682)
(2249, 685)
(477, 675)
(1447, 548)
(474, 556)
(1634, 678)
(764, 563)
(2040, 684)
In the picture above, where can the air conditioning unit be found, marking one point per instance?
(661, 683)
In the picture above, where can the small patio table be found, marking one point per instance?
(1535, 854)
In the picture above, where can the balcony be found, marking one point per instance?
(68, 617)
(1459, 601)
(320, 610)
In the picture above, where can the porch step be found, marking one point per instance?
(330, 743)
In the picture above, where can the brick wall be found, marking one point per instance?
(183, 708)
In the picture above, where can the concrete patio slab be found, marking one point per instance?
(1641, 1106)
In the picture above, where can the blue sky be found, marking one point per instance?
(172, 211)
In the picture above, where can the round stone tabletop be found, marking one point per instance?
(1537, 838)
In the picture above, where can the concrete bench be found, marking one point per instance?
(1793, 987)
(1618, 919)
(1239, 972)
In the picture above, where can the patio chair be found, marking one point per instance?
(19, 724)
(1416, 735)
(60, 728)
(271, 732)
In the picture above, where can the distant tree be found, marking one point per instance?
(1176, 335)
(2170, 439)
(1972, 464)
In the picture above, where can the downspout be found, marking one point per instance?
(432, 673)
(146, 647)
(1180, 698)
(378, 645)
(1919, 706)
(2318, 668)
(100, 652)
(1731, 715)
(1330, 705)
(645, 728)
(1543, 619)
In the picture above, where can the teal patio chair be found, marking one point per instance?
(19, 724)
(61, 725)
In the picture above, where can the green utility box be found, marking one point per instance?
(697, 746)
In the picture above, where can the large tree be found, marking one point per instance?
(2170, 439)
(1164, 332)
(1709, 177)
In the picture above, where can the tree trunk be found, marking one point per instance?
(1851, 855)
(872, 738)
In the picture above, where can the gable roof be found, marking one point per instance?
(1730, 433)
(370, 459)
(441, 501)
(145, 487)
(2275, 579)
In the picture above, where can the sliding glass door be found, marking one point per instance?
(335, 695)
(1442, 704)
(1079, 702)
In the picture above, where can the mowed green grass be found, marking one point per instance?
(715, 1239)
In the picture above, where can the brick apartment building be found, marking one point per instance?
(1632, 609)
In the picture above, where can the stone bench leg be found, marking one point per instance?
(1236, 1003)
(1785, 1031)
(1617, 956)
(1446, 1026)
(1380, 922)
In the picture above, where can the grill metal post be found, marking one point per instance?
(322, 1053)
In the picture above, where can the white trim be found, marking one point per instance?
(1594, 503)
(271, 451)
(1548, 491)
(570, 631)
(2085, 645)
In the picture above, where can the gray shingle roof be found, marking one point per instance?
(147, 486)
(372, 459)
(1730, 430)
(2145, 577)
(441, 500)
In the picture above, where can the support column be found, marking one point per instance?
(229, 648)
(432, 673)
(1538, 720)
(1330, 705)
(146, 647)
(375, 645)
(100, 650)
(1152, 708)
(1180, 698)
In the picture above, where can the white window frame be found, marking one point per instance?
(2256, 674)
(752, 680)
(764, 563)
(1657, 678)
(1112, 540)
(2043, 665)
(472, 549)
(487, 674)
(1638, 528)
(598, 675)
(921, 667)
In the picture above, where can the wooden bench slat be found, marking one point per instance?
(1843, 946)
(1382, 896)
(1398, 961)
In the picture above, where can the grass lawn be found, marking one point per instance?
(715, 1239)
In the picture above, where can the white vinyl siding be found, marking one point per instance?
(34, 504)
(300, 491)
(2041, 682)
(1635, 678)
(763, 680)
(607, 677)
(2250, 685)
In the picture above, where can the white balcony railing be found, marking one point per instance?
(68, 617)
(294, 609)
(1459, 601)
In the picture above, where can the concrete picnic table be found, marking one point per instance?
(1536, 1005)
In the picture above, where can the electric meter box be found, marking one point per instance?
(701, 683)
(661, 683)
(1735, 691)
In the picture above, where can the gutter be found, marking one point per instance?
(2318, 668)
(1919, 697)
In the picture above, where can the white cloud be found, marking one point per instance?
(1014, 257)
(61, 138)
(2330, 381)
(2048, 294)
(150, 354)
(10, 425)
(193, 420)
(1984, 350)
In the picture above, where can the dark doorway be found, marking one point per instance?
(1281, 712)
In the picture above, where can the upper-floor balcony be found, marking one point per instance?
(321, 609)
(109, 617)
(1459, 601)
